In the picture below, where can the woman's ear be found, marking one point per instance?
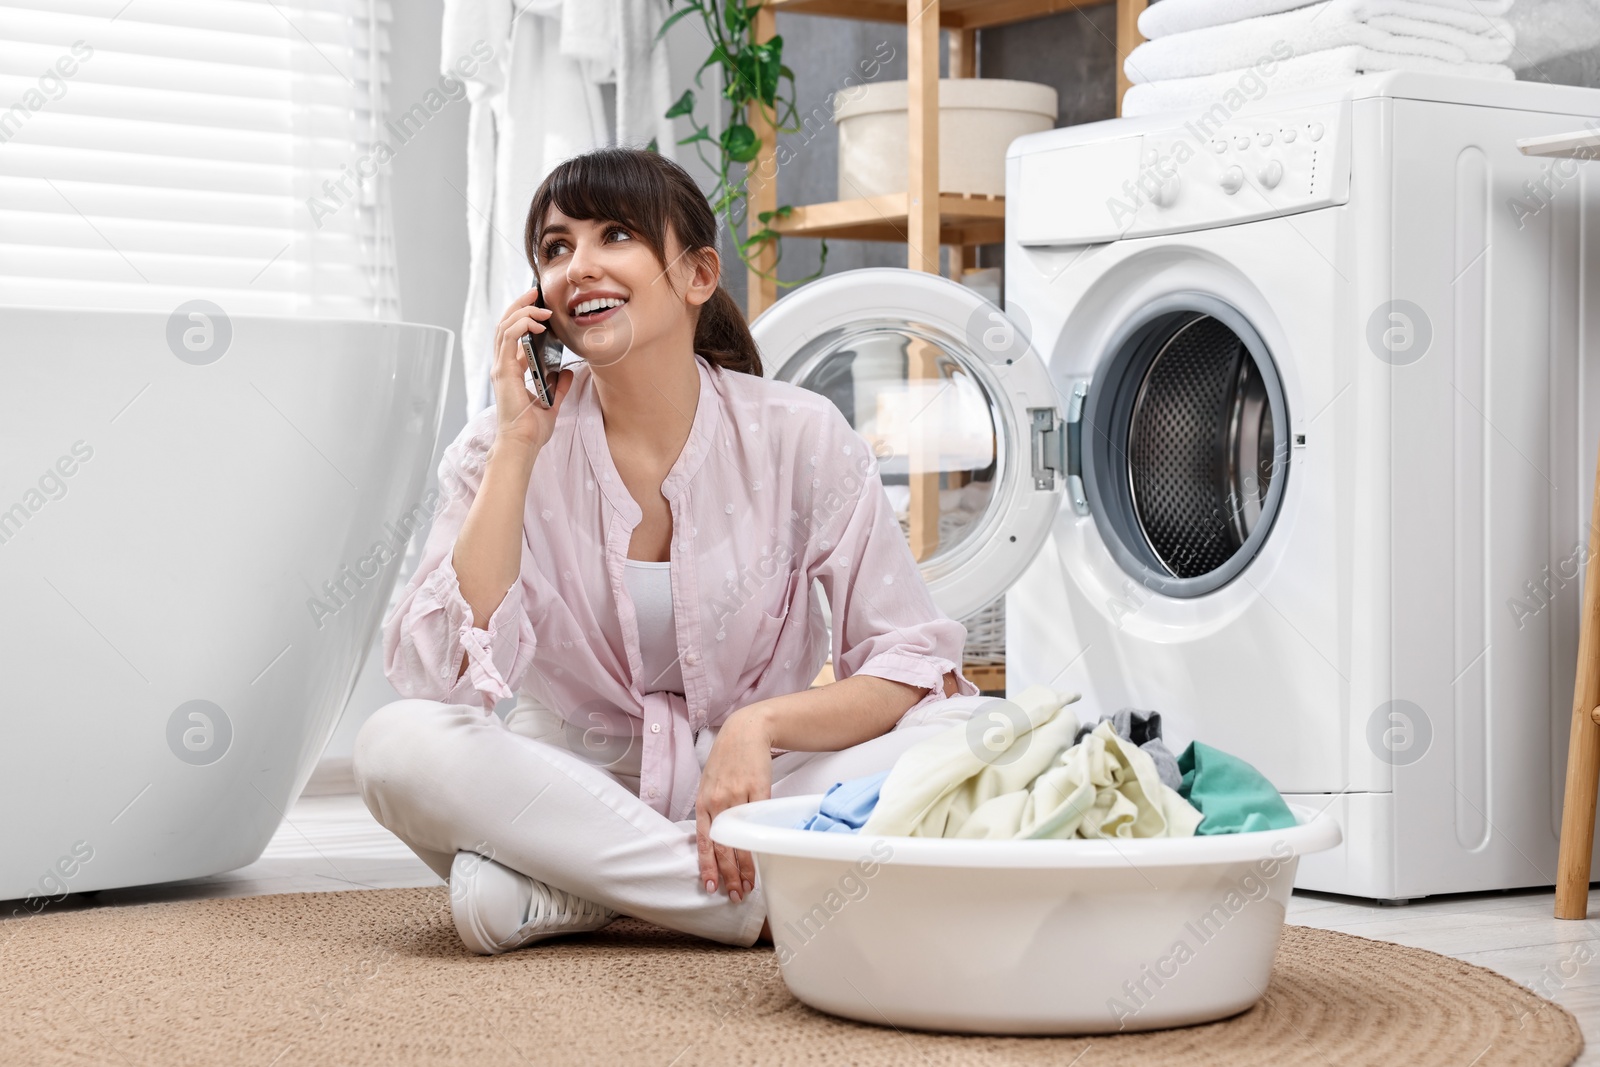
(706, 277)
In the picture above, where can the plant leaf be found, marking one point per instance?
(740, 142)
(761, 236)
(670, 20)
(772, 69)
(718, 55)
(752, 72)
(684, 106)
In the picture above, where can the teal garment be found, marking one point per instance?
(1232, 795)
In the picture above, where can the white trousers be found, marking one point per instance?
(447, 777)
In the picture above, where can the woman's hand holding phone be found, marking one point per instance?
(522, 419)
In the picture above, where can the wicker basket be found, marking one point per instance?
(986, 635)
(986, 627)
(985, 647)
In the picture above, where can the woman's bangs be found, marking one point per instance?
(620, 189)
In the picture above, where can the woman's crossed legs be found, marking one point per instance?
(450, 777)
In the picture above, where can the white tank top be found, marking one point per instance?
(650, 585)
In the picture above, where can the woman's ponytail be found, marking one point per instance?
(723, 338)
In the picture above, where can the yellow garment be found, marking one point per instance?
(992, 778)
(1104, 786)
(936, 784)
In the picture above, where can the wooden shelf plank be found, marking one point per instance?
(953, 14)
(762, 183)
(1128, 38)
(922, 134)
(980, 14)
(963, 63)
(884, 218)
(986, 676)
(1579, 144)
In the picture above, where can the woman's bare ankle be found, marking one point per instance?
(766, 932)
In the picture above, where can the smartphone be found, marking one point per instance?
(543, 359)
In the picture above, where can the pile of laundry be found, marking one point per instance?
(1200, 53)
(1026, 768)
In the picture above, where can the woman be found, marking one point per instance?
(638, 560)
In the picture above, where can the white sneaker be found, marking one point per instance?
(497, 909)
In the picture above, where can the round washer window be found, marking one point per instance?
(932, 423)
(1186, 432)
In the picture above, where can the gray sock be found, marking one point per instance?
(1142, 728)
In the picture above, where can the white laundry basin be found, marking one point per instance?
(178, 494)
(1022, 937)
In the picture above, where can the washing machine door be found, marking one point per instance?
(955, 403)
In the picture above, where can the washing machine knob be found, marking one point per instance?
(1315, 131)
(1288, 135)
(1232, 180)
(1271, 174)
(1168, 193)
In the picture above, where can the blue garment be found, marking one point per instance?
(846, 805)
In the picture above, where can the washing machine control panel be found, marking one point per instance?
(1206, 172)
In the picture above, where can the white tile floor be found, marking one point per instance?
(332, 843)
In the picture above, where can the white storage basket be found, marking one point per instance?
(978, 120)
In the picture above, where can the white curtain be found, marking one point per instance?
(159, 151)
(536, 103)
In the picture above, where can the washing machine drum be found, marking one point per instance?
(1185, 432)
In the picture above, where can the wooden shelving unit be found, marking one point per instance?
(921, 220)
(921, 217)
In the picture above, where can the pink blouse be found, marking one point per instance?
(773, 489)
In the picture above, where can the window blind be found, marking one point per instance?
(157, 151)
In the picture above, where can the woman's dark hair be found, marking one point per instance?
(644, 192)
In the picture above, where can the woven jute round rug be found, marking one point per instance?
(379, 977)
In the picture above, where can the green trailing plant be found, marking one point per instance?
(752, 73)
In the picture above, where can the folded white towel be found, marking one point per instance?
(1316, 28)
(1233, 88)
(1180, 16)
(1493, 43)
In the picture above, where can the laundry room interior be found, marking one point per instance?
(979, 531)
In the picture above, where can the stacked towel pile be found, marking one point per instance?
(1202, 52)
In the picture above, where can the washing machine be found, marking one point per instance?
(1283, 431)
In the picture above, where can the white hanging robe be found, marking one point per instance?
(535, 104)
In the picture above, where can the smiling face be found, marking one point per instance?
(610, 293)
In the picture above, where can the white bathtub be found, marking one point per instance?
(174, 494)
(1022, 937)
